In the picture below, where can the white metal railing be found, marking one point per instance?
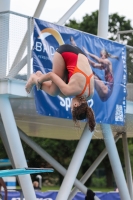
(15, 43)
(124, 32)
(129, 55)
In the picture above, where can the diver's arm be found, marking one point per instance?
(66, 89)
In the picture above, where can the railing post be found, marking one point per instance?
(29, 29)
(4, 37)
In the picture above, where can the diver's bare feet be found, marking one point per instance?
(30, 83)
(39, 73)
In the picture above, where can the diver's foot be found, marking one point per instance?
(30, 84)
(39, 73)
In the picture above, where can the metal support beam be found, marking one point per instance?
(67, 15)
(107, 133)
(49, 159)
(103, 18)
(4, 5)
(29, 32)
(75, 164)
(15, 70)
(92, 168)
(15, 145)
(127, 165)
(122, 32)
(115, 162)
(39, 8)
(7, 146)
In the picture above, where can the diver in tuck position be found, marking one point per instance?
(71, 76)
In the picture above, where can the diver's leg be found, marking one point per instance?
(47, 86)
(59, 69)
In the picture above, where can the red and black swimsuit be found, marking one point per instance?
(70, 56)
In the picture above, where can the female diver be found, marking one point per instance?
(71, 76)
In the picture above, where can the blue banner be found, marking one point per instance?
(107, 60)
(15, 195)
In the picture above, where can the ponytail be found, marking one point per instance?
(84, 112)
(91, 118)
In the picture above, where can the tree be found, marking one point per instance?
(89, 23)
(117, 23)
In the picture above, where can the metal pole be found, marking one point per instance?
(107, 133)
(127, 31)
(92, 168)
(75, 164)
(127, 165)
(29, 31)
(103, 18)
(66, 16)
(15, 145)
(49, 159)
(7, 146)
(115, 162)
(118, 37)
(39, 8)
(4, 5)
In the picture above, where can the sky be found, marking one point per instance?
(55, 9)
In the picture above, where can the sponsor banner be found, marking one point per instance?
(107, 60)
(52, 196)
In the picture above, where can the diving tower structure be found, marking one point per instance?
(19, 119)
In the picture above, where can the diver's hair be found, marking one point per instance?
(110, 55)
(84, 112)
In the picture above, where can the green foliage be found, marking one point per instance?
(3, 153)
(119, 23)
(98, 182)
(130, 147)
(89, 23)
(73, 24)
